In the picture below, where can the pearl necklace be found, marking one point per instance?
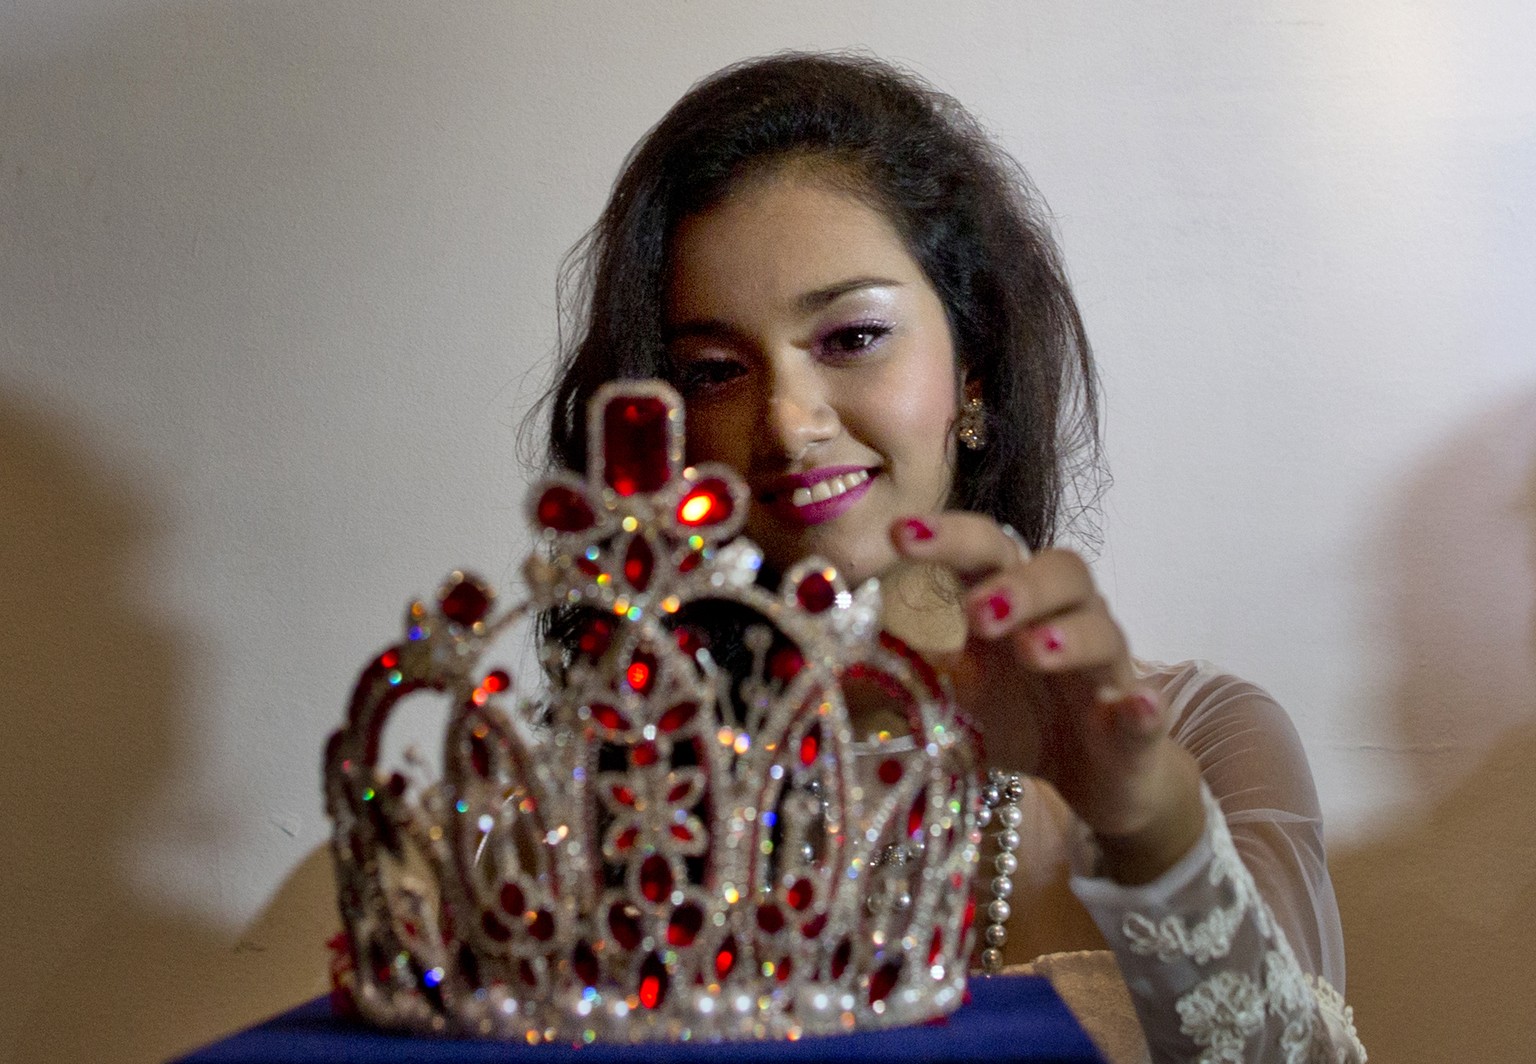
(1000, 802)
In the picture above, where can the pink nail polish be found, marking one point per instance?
(1049, 639)
(916, 530)
(997, 606)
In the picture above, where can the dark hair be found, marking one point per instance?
(965, 208)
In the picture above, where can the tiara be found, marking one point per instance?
(724, 812)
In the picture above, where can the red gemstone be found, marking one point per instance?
(814, 926)
(653, 982)
(681, 833)
(970, 914)
(708, 503)
(609, 717)
(656, 878)
(816, 593)
(725, 958)
(563, 509)
(883, 981)
(389, 659)
(512, 899)
(690, 562)
(623, 795)
(785, 663)
(626, 839)
(480, 755)
(584, 964)
(465, 602)
(635, 444)
(810, 745)
(641, 672)
(799, 895)
(676, 717)
(596, 634)
(639, 560)
(494, 928)
(936, 946)
(624, 922)
(678, 792)
(525, 970)
(496, 680)
(916, 814)
(890, 771)
(770, 918)
(643, 754)
(542, 927)
(840, 958)
(684, 926)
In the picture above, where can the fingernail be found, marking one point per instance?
(916, 530)
(997, 607)
(1048, 639)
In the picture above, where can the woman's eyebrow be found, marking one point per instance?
(820, 297)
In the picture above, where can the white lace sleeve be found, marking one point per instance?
(1210, 971)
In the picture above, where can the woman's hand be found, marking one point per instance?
(1046, 674)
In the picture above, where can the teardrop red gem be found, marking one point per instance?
(816, 593)
(785, 663)
(936, 946)
(799, 896)
(624, 922)
(512, 899)
(635, 444)
(890, 771)
(465, 602)
(916, 814)
(584, 964)
(840, 958)
(684, 925)
(883, 981)
(810, 745)
(770, 918)
(609, 717)
(676, 717)
(725, 958)
(542, 926)
(708, 503)
(653, 982)
(563, 509)
(494, 928)
(656, 878)
(639, 560)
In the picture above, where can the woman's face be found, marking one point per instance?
(816, 360)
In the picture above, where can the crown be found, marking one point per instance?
(726, 812)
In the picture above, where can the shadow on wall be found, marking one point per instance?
(99, 972)
(1440, 914)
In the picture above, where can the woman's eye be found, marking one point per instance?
(851, 339)
(703, 374)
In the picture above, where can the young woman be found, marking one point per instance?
(858, 297)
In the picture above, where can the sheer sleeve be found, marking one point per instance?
(1234, 954)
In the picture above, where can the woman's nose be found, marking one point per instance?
(798, 412)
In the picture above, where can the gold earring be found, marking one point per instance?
(971, 426)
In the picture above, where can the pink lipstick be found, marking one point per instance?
(817, 496)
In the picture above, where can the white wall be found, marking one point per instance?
(277, 284)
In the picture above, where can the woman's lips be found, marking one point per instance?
(818, 496)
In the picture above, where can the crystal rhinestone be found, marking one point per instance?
(635, 444)
(815, 593)
(639, 561)
(708, 503)
(903, 901)
(624, 922)
(656, 878)
(466, 601)
(883, 981)
(1006, 863)
(991, 959)
(996, 935)
(1001, 886)
(998, 911)
(1010, 816)
(653, 982)
(563, 509)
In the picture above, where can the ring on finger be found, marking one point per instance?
(1017, 540)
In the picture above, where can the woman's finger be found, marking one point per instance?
(973, 546)
(1054, 582)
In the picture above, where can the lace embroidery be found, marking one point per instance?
(1222, 1013)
